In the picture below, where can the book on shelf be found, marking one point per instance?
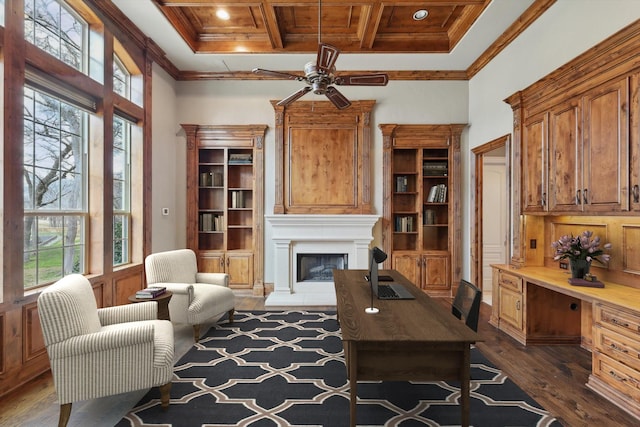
(404, 224)
(211, 179)
(217, 179)
(210, 222)
(237, 199)
(240, 158)
(401, 184)
(429, 217)
(437, 194)
(435, 168)
(151, 292)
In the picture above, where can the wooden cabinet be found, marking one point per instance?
(421, 218)
(225, 201)
(534, 314)
(238, 265)
(605, 148)
(589, 151)
(577, 153)
(510, 304)
(534, 164)
(430, 272)
(565, 149)
(616, 356)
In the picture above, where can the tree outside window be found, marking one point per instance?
(121, 190)
(54, 177)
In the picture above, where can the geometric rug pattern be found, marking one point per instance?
(286, 368)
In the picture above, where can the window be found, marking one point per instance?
(121, 79)
(54, 183)
(121, 190)
(56, 29)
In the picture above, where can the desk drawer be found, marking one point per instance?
(617, 346)
(619, 320)
(617, 375)
(510, 281)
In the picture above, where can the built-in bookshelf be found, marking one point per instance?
(421, 221)
(225, 201)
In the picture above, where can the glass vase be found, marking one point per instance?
(579, 267)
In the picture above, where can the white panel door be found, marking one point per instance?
(494, 219)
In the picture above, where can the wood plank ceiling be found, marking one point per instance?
(291, 26)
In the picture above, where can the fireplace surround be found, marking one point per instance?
(293, 234)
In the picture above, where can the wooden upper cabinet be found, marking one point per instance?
(575, 155)
(565, 150)
(589, 151)
(534, 164)
(605, 148)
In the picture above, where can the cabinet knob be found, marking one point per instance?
(577, 197)
(518, 305)
(544, 199)
(585, 199)
(636, 193)
(221, 261)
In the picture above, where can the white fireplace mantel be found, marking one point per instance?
(350, 234)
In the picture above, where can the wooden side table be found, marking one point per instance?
(162, 300)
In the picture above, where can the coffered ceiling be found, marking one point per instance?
(453, 41)
(279, 26)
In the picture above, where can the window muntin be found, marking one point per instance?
(55, 28)
(54, 185)
(121, 191)
(121, 79)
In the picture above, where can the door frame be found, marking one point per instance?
(477, 178)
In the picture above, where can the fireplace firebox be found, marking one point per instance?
(319, 267)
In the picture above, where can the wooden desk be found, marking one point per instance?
(407, 340)
(162, 300)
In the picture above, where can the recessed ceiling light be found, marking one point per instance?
(223, 14)
(419, 15)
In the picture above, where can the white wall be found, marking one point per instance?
(567, 29)
(168, 166)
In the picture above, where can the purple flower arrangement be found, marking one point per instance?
(581, 247)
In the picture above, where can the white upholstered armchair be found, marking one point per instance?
(97, 352)
(197, 297)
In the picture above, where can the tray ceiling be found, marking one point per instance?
(291, 26)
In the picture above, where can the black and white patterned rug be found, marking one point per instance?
(287, 369)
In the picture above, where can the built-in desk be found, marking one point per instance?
(537, 305)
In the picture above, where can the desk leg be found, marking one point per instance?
(353, 382)
(465, 385)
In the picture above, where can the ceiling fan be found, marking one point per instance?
(320, 77)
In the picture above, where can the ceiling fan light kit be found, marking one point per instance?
(320, 76)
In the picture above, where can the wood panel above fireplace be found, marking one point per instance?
(323, 158)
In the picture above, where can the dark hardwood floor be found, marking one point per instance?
(555, 376)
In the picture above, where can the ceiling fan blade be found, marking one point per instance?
(327, 56)
(277, 74)
(338, 99)
(294, 96)
(379, 79)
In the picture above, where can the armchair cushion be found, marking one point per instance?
(179, 266)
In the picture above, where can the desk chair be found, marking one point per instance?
(466, 304)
